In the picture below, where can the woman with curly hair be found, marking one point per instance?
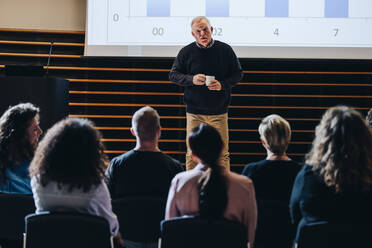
(336, 184)
(67, 171)
(19, 136)
(209, 190)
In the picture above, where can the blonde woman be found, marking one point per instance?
(273, 179)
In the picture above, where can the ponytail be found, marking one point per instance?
(212, 194)
(206, 143)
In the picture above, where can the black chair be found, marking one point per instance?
(13, 209)
(139, 217)
(332, 235)
(186, 232)
(274, 227)
(61, 230)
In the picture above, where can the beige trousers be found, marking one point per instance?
(220, 122)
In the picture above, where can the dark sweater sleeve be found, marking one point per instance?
(236, 71)
(248, 171)
(294, 204)
(178, 73)
(110, 178)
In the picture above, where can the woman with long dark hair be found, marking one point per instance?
(67, 171)
(209, 190)
(336, 183)
(19, 136)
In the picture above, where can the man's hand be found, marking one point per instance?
(198, 79)
(215, 85)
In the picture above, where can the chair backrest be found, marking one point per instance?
(13, 209)
(274, 227)
(186, 232)
(139, 217)
(61, 230)
(329, 235)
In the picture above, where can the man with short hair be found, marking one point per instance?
(207, 101)
(145, 170)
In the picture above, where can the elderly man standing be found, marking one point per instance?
(208, 69)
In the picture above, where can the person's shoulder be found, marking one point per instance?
(168, 158)
(188, 176)
(222, 45)
(250, 168)
(307, 169)
(188, 47)
(118, 160)
(240, 180)
(123, 157)
(307, 173)
(296, 166)
(171, 161)
(101, 187)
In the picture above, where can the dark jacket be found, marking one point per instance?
(312, 201)
(220, 61)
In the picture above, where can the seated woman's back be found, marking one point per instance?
(273, 180)
(209, 190)
(321, 203)
(336, 185)
(67, 171)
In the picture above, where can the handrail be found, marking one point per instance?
(311, 72)
(182, 105)
(40, 43)
(184, 129)
(24, 30)
(74, 80)
(42, 55)
(180, 117)
(78, 80)
(181, 94)
(231, 153)
(183, 141)
(167, 70)
(104, 69)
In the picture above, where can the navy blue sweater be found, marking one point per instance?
(219, 61)
(141, 173)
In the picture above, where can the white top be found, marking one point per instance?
(96, 201)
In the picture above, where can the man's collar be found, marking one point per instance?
(208, 46)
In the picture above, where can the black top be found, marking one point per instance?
(312, 201)
(273, 179)
(141, 173)
(220, 61)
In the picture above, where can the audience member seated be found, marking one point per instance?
(19, 136)
(336, 183)
(273, 179)
(67, 172)
(209, 190)
(145, 170)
